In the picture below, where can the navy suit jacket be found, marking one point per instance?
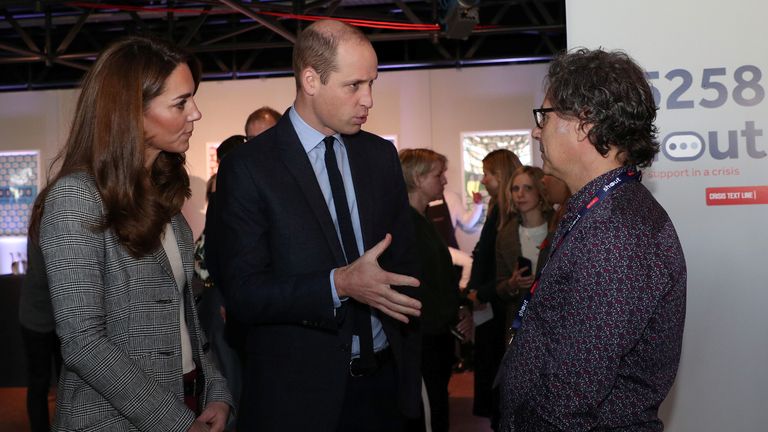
(277, 247)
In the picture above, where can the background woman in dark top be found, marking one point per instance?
(498, 167)
(226, 337)
(41, 345)
(424, 172)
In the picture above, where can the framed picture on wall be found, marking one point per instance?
(476, 145)
(19, 176)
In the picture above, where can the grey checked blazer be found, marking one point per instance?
(118, 320)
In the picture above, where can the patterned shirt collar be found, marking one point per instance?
(586, 193)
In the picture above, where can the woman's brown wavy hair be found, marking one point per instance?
(107, 141)
(501, 163)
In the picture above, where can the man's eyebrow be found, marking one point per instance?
(361, 80)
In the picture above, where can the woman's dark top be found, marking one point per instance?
(35, 309)
(439, 283)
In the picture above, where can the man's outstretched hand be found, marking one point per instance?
(365, 281)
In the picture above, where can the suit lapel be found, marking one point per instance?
(297, 163)
(362, 184)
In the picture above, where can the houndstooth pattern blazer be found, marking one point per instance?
(118, 321)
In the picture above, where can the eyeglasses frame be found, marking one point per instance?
(540, 112)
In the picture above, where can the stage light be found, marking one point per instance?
(459, 18)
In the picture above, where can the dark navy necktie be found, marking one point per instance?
(362, 312)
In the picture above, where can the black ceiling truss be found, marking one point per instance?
(50, 44)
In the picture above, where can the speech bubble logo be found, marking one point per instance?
(683, 146)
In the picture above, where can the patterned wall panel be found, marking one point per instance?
(19, 174)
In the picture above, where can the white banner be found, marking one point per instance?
(708, 63)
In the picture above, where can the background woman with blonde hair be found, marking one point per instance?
(424, 174)
(524, 218)
(119, 254)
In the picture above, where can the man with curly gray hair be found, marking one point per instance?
(600, 331)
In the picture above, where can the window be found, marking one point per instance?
(476, 145)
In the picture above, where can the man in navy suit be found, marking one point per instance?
(316, 254)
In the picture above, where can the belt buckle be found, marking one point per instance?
(357, 372)
(352, 369)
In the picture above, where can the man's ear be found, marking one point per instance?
(310, 81)
(583, 128)
(582, 131)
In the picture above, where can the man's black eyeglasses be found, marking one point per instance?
(539, 117)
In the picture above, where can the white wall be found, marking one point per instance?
(721, 384)
(428, 108)
(35, 121)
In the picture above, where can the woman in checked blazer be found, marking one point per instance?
(119, 254)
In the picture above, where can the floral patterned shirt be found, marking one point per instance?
(600, 343)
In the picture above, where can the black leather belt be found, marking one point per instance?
(356, 369)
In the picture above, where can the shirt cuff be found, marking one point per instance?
(334, 294)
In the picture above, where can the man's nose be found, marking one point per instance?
(366, 99)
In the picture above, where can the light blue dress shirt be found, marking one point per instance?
(312, 141)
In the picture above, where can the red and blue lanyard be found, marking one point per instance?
(625, 176)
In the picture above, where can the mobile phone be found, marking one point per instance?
(525, 262)
(457, 334)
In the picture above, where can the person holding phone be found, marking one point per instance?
(498, 166)
(524, 216)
